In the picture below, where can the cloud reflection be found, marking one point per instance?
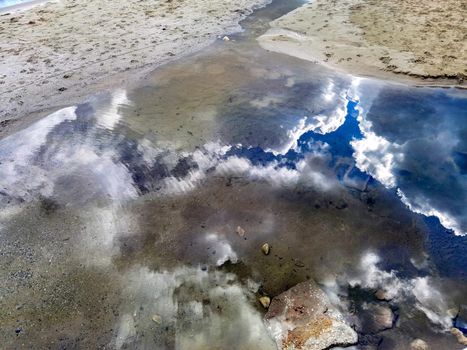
(199, 309)
(415, 141)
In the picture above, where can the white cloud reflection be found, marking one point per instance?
(421, 292)
(395, 141)
(202, 309)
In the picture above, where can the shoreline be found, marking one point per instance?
(113, 46)
(291, 49)
(344, 37)
(24, 6)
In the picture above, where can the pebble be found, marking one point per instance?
(461, 338)
(157, 319)
(240, 231)
(382, 295)
(265, 248)
(265, 301)
(418, 344)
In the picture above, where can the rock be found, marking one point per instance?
(382, 295)
(265, 248)
(418, 344)
(240, 231)
(157, 319)
(461, 338)
(303, 318)
(265, 301)
(375, 318)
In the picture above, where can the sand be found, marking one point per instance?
(58, 53)
(423, 42)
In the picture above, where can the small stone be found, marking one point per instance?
(226, 38)
(157, 319)
(381, 294)
(265, 249)
(461, 338)
(418, 344)
(240, 231)
(265, 301)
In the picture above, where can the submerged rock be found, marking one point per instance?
(303, 318)
(419, 344)
(265, 301)
(461, 338)
(382, 295)
(240, 231)
(157, 319)
(265, 248)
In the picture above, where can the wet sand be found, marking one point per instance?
(58, 53)
(410, 41)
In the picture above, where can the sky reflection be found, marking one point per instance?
(416, 147)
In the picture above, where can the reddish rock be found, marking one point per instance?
(303, 318)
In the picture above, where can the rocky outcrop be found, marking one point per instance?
(303, 318)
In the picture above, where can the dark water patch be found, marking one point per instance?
(447, 250)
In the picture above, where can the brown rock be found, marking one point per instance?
(303, 318)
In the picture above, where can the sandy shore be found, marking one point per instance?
(418, 41)
(58, 53)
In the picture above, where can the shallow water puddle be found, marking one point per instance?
(120, 217)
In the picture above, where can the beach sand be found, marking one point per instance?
(59, 53)
(423, 42)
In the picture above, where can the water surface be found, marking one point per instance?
(8, 3)
(128, 206)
